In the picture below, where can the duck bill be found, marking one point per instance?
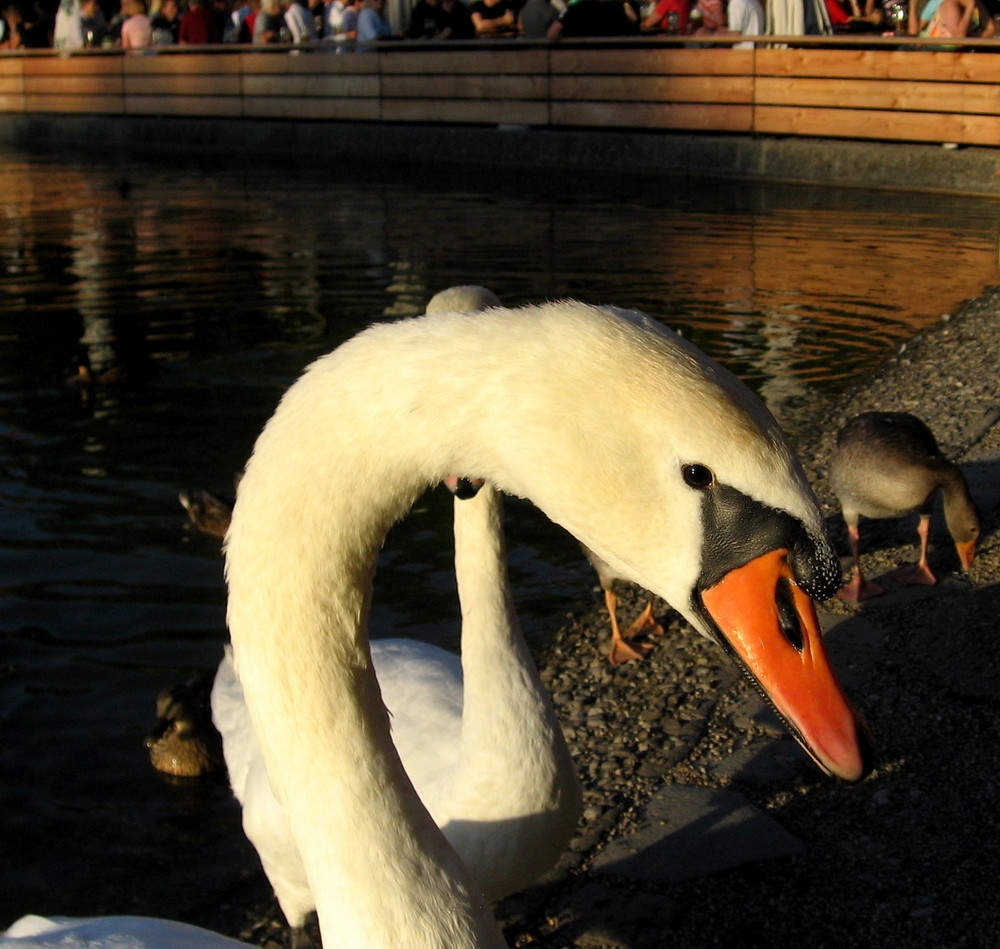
(966, 552)
(768, 624)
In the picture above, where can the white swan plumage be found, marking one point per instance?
(111, 932)
(651, 454)
(489, 761)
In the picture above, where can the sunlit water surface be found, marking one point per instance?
(229, 282)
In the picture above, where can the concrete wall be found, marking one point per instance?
(843, 163)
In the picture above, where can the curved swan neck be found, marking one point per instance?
(352, 444)
(301, 550)
(507, 715)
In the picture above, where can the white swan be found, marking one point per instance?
(492, 768)
(111, 932)
(648, 452)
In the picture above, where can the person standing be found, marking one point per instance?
(372, 24)
(595, 18)
(93, 24)
(457, 21)
(746, 17)
(137, 30)
(425, 20)
(300, 22)
(494, 18)
(267, 26)
(11, 28)
(199, 26)
(535, 19)
(167, 24)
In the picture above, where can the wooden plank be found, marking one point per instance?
(900, 96)
(11, 66)
(178, 85)
(339, 86)
(727, 89)
(346, 110)
(699, 118)
(465, 87)
(216, 106)
(327, 62)
(465, 112)
(892, 126)
(484, 61)
(909, 64)
(79, 105)
(11, 102)
(100, 85)
(182, 64)
(65, 65)
(668, 61)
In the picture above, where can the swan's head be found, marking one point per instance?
(672, 471)
(649, 453)
(465, 298)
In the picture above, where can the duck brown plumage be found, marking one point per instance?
(888, 464)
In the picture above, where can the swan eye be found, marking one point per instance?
(698, 476)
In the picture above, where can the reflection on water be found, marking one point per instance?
(193, 296)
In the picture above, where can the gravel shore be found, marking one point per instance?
(911, 856)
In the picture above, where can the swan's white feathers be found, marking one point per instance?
(622, 389)
(589, 412)
(110, 932)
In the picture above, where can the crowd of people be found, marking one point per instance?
(139, 24)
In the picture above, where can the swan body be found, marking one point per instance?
(488, 760)
(111, 932)
(888, 464)
(676, 475)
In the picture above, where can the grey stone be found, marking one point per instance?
(771, 763)
(693, 831)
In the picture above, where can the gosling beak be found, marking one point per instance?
(768, 624)
(966, 552)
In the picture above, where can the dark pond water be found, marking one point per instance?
(227, 281)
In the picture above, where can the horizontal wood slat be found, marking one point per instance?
(725, 89)
(465, 112)
(74, 85)
(465, 87)
(484, 61)
(204, 106)
(909, 64)
(667, 61)
(82, 65)
(339, 86)
(707, 118)
(866, 94)
(334, 110)
(175, 85)
(903, 94)
(75, 104)
(326, 63)
(891, 126)
(191, 64)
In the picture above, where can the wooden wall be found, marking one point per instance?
(856, 90)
